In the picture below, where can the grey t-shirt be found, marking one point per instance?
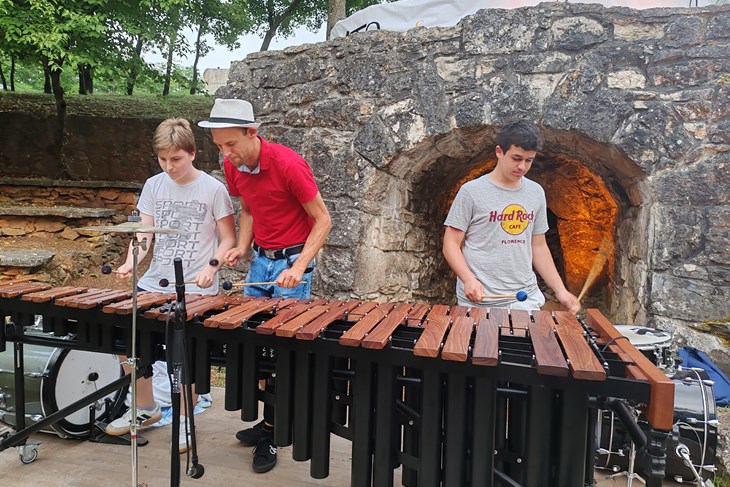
(498, 224)
(194, 208)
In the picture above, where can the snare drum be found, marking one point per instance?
(54, 379)
(657, 345)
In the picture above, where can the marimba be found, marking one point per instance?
(458, 396)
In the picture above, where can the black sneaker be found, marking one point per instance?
(251, 436)
(264, 455)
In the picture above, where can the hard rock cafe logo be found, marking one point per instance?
(514, 219)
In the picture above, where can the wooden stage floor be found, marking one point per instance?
(79, 463)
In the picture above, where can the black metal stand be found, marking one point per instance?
(177, 366)
(23, 432)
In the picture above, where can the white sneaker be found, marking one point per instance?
(183, 441)
(145, 417)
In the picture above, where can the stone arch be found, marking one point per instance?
(591, 189)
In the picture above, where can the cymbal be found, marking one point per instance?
(133, 227)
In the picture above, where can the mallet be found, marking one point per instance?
(520, 296)
(603, 250)
(165, 282)
(228, 285)
(107, 269)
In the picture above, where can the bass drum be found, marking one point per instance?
(54, 379)
(695, 426)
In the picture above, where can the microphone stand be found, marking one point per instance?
(180, 375)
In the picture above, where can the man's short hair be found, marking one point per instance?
(174, 133)
(521, 133)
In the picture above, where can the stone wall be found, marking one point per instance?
(392, 123)
(95, 148)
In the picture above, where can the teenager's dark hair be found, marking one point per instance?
(521, 133)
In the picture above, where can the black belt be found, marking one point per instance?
(278, 253)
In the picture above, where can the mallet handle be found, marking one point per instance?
(498, 296)
(244, 284)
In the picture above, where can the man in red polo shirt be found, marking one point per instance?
(283, 217)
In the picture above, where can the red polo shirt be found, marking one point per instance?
(275, 195)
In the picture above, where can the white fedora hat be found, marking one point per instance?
(230, 113)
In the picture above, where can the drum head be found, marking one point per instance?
(645, 338)
(74, 376)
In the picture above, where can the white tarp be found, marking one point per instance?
(407, 14)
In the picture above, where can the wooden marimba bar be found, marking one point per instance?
(457, 396)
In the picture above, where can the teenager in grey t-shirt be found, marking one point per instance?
(498, 224)
(495, 230)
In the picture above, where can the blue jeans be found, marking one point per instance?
(263, 269)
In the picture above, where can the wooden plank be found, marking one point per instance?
(456, 347)
(16, 290)
(363, 309)
(519, 321)
(457, 311)
(52, 294)
(478, 314)
(291, 327)
(549, 356)
(145, 299)
(355, 335)
(94, 300)
(416, 314)
(486, 342)
(264, 306)
(501, 318)
(660, 410)
(230, 316)
(284, 314)
(434, 329)
(381, 334)
(582, 361)
(313, 329)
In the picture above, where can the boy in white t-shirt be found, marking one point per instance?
(185, 198)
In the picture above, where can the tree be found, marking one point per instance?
(51, 31)
(335, 13)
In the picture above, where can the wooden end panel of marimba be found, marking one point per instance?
(357, 333)
(486, 342)
(382, 333)
(19, 289)
(548, 354)
(434, 330)
(583, 362)
(456, 347)
(660, 410)
(312, 330)
(284, 314)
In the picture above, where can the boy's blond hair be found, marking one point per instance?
(174, 133)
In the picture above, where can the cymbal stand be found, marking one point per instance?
(132, 359)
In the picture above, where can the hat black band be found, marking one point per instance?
(228, 120)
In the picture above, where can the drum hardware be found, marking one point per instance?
(683, 452)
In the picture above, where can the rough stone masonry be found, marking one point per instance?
(392, 122)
